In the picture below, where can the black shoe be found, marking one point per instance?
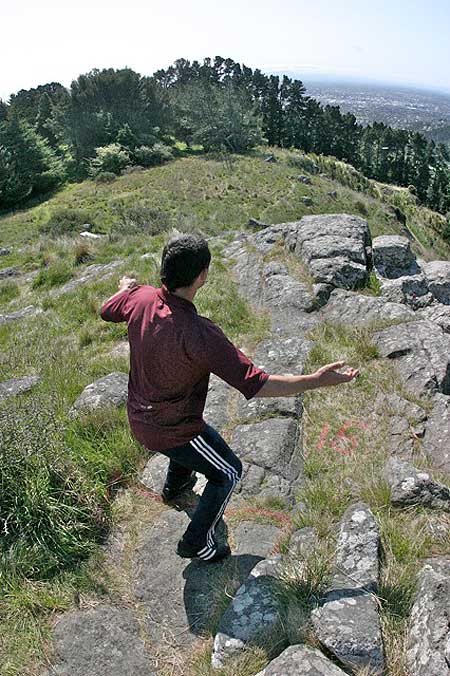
(188, 552)
(169, 493)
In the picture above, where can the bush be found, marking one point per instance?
(49, 514)
(82, 253)
(147, 156)
(105, 177)
(65, 221)
(112, 159)
(54, 275)
(8, 291)
(140, 219)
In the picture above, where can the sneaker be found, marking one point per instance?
(188, 552)
(170, 493)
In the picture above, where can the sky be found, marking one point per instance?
(404, 42)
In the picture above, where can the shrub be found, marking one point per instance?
(8, 291)
(105, 177)
(82, 253)
(54, 275)
(112, 158)
(65, 221)
(140, 219)
(49, 514)
(147, 156)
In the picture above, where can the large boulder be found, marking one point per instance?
(428, 645)
(437, 313)
(403, 423)
(335, 247)
(438, 277)
(26, 313)
(349, 308)
(258, 539)
(111, 390)
(215, 412)
(421, 352)
(411, 486)
(271, 462)
(437, 434)
(392, 257)
(101, 641)
(9, 388)
(410, 289)
(347, 623)
(301, 660)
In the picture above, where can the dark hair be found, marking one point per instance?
(183, 259)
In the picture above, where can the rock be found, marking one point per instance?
(104, 641)
(255, 538)
(178, 595)
(347, 623)
(437, 434)
(121, 350)
(301, 660)
(150, 257)
(333, 194)
(322, 294)
(411, 486)
(334, 247)
(392, 257)
(421, 351)
(26, 313)
(7, 273)
(90, 235)
(412, 290)
(254, 223)
(303, 542)
(307, 201)
(155, 472)
(268, 451)
(429, 634)
(280, 356)
(4, 251)
(266, 239)
(253, 617)
(438, 276)
(271, 566)
(97, 272)
(349, 308)
(215, 413)
(111, 390)
(437, 313)
(282, 291)
(270, 158)
(404, 423)
(9, 388)
(304, 179)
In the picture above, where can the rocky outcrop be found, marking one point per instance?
(437, 313)
(404, 423)
(393, 258)
(411, 486)
(301, 660)
(258, 539)
(438, 278)
(428, 648)
(95, 272)
(9, 388)
(421, 353)
(437, 434)
(26, 313)
(111, 390)
(350, 308)
(271, 467)
(347, 623)
(102, 641)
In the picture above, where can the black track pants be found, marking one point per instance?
(210, 455)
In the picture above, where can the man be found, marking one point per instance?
(173, 350)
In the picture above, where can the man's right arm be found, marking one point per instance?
(288, 386)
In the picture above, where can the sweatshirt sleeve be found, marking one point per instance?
(225, 360)
(118, 308)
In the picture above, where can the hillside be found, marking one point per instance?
(87, 549)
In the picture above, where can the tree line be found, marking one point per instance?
(112, 119)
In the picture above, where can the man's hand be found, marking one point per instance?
(329, 375)
(127, 283)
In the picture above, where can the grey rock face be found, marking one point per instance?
(25, 313)
(9, 388)
(437, 313)
(4, 251)
(304, 179)
(7, 273)
(429, 634)
(348, 623)
(437, 434)
(253, 617)
(301, 660)
(270, 566)
(268, 451)
(353, 308)
(303, 542)
(215, 412)
(92, 272)
(412, 290)
(121, 349)
(404, 422)
(438, 276)
(255, 538)
(392, 256)
(421, 351)
(411, 486)
(104, 641)
(334, 246)
(111, 390)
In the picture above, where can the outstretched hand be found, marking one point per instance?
(329, 375)
(127, 283)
